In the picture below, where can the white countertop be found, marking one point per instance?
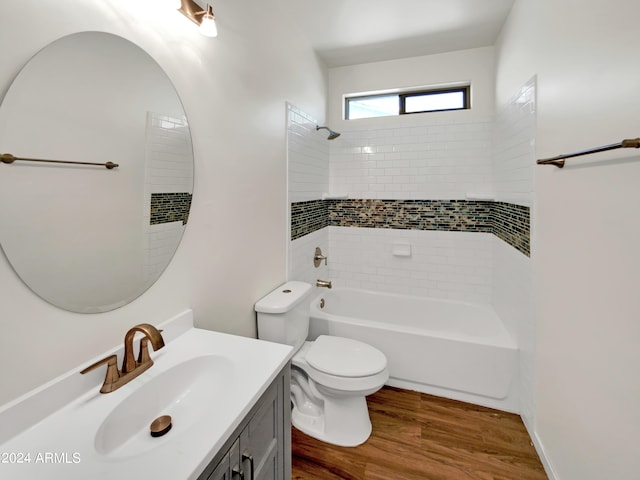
(50, 433)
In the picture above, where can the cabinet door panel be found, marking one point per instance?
(260, 437)
(269, 468)
(237, 468)
(222, 470)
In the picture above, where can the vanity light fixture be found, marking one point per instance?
(208, 26)
(205, 19)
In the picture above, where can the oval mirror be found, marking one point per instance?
(83, 237)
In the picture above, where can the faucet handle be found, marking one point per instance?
(143, 354)
(318, 257)
(112, 375)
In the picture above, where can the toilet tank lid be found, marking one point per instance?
(283, 298)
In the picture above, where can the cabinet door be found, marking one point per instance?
(230, 467)
(222, 470)
(261, 440)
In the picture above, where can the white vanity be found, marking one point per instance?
(227, 397)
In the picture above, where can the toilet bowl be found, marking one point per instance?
(330, 377)
(338, 373)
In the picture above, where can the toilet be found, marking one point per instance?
(330, 377)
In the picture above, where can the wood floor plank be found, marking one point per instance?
(324, 460)
(421, 437)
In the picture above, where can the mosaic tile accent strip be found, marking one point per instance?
(511, 223)
(170, 207)
(446, 215)
(307, 217)
(508, 221)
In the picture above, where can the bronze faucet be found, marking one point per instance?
(131, 367)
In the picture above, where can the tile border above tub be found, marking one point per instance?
(509, 222)
(444, 215)
(308, 216)
(512, 224)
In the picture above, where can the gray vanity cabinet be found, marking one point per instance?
(260, 449)
(221, 472)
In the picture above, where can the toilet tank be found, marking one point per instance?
(283, 315)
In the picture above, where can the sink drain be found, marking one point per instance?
(160, 426)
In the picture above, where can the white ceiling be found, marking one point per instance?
(348, 32)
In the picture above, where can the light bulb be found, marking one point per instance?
(208, 26)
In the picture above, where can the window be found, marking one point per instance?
(403, 103)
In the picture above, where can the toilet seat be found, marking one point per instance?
(370, 382)
(345, 357)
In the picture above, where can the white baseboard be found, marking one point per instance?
(537, 444)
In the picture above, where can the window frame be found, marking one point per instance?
(403, 95)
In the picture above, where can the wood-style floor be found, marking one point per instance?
(422, 437)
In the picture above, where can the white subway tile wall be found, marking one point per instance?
(513, 301)
(451, 265)
(514, 148)
(308, 179)
(512, 281)
(301, 252)
(431, 160)
(307, 157)
(434, 160)
(168, 168)
(169, 158)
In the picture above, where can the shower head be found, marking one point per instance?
(332, 134)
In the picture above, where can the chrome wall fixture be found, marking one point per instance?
(205, 19)
(318, 257)
(332, 134)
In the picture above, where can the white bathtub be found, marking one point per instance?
(452, 349)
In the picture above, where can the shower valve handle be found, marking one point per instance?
(318, 257)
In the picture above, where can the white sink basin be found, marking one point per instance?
(188, 392)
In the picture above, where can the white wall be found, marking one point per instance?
(585, 245)
(234, 90)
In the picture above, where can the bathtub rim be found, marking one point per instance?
(506, 340)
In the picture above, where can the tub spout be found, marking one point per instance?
(323, 283)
